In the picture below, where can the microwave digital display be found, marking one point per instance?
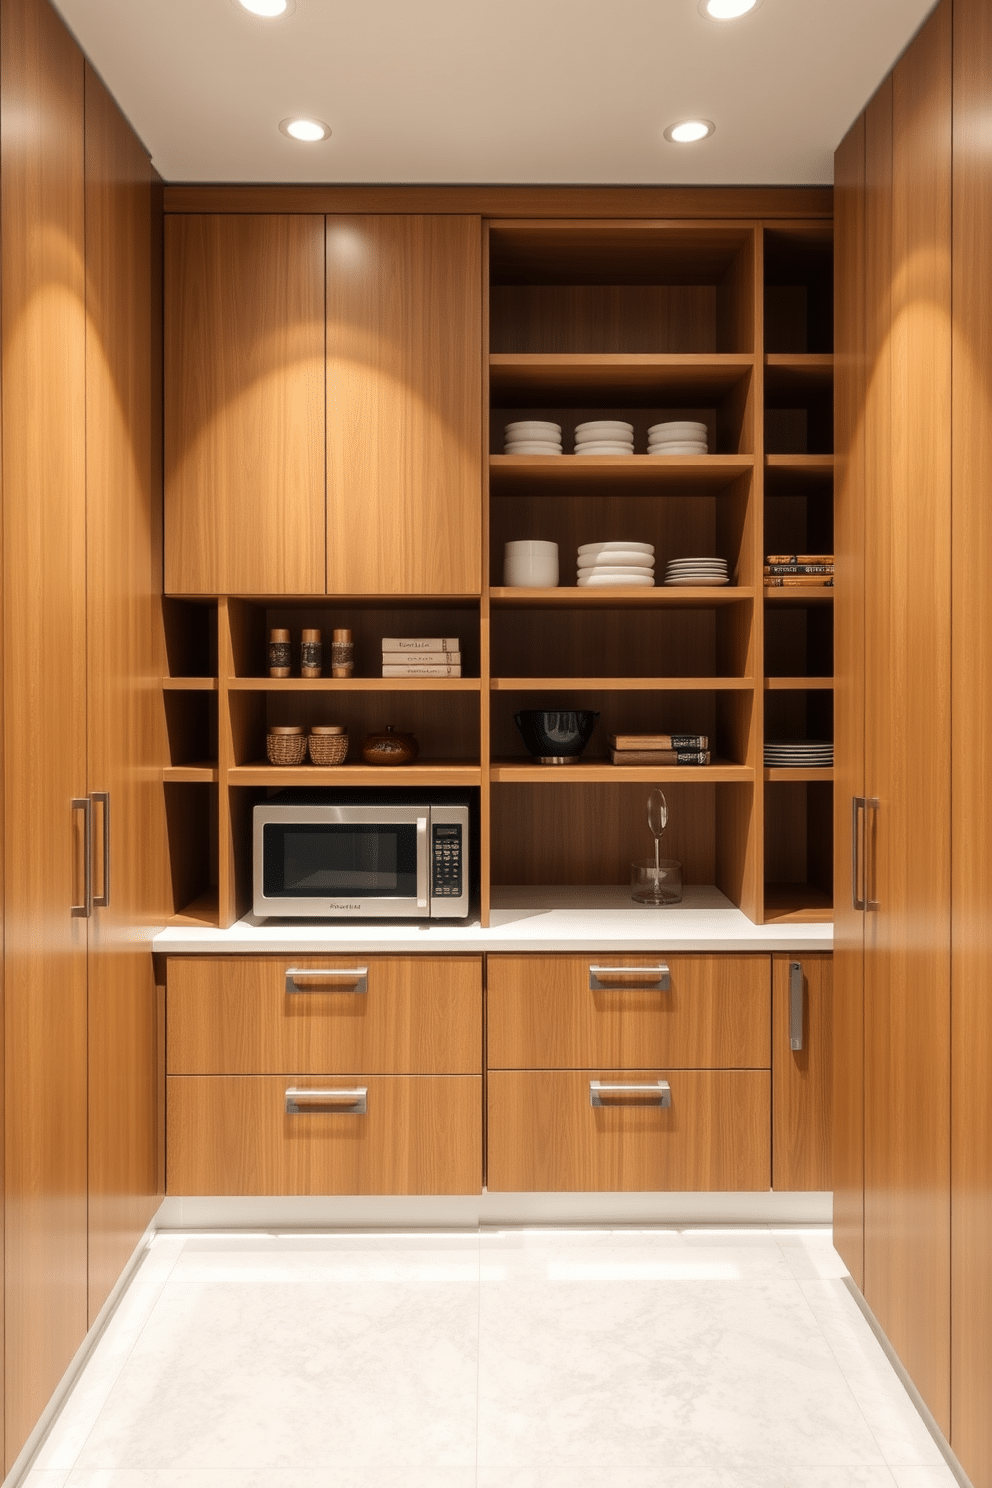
(309, 861)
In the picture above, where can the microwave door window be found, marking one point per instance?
(331, 861)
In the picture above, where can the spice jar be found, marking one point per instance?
(311, 654)
(328, 744)
(286, 746)
(279, 658)
(342, 654)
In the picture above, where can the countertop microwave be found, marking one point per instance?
(381, 854)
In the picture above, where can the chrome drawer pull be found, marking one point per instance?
(796, 997)
(630, 978)
(645, 1095)
(342, 979)
(349, 1102)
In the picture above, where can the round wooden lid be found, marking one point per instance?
(280, 729)
(328, 728)
(275, 636)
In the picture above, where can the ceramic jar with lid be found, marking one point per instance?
(390, 748)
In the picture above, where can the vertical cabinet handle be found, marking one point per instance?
(85, 805)
(423, 865)
(873, 805)
(102, 798)
(857, 889)
(796, 999)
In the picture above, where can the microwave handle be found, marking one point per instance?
(423, 864)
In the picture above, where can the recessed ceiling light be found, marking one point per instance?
(267, 8)
(689, 131)
(309, 131)
(727, 10)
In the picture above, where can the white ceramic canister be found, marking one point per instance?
(530, 564)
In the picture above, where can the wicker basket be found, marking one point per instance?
(328, 745)
(286, 746)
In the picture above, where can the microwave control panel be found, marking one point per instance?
(446, 861)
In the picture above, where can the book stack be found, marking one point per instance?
(421, 656)
(806, 570)
(659, 749)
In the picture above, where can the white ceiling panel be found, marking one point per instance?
(530, 91)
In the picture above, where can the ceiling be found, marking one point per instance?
(527, 91)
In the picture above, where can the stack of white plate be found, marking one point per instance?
(706, 572)
(810, 754)
(532, 437)
(616, 565)
(604, 437)
(683, 438)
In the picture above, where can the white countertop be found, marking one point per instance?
(523, 919)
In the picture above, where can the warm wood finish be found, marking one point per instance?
(544, 1135)
(719, 203)
(542, 1015)
(44, 619)
(852, 411)
(802, 1079)
(907, 673)
(125, 721)
(244, 405)
(971, 840)
(233, 1015)
(404, 405)
(633, 377)
(231, 1135)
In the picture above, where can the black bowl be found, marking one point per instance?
(556, 733)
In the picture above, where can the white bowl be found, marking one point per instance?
(617, 581)
(604, 426)
(679, 449)
(676, 429)
(609, 547)
(534, 426)
(633, 569)
(615, 556)
(531, 447)
(605, 449)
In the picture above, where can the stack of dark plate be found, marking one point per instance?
(802, 754)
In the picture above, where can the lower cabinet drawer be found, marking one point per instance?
(263, 1134)
(546, 1135)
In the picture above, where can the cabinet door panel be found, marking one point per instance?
(417, 1015)
(232, 1135)
(244, 405)
(404, 405)
(545, 1135)
(802, 1079)
(44, 616)
(125, 724)
(542, 1014)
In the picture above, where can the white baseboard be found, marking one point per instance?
(493, 1209)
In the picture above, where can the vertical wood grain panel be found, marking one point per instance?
(907, 746)
(850, 393)
(971, 957)
(802, 1079)
(43, 316)
(404, 405)
(125, 724)
(244, 405)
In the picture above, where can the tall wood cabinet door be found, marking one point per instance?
(971, 838)
(44, 618)
(404, 405)
(802, 1077)
(908, 739)
(244, 405)
(850, 388)
(125, 722)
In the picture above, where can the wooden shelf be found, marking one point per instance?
(354, 684)
(201, 774)
(800, 904)
(576, 475)
(202, 912)
(799, 597)
(792, 474)
(426, 773)
(630, 381)
(567, 597)
(189, 684)
(802, 371)
(622, 684)
(799, 684)
(601, 772)
(798, 774)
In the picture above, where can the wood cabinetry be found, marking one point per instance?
(802, 1072)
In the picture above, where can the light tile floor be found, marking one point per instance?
(703, 1358)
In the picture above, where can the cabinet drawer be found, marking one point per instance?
(545, 1135)
(233, 1134)
(556, 1012)
(248, 1016)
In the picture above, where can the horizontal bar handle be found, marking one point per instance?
(338, 979)
(630, 978)
(643, 1095)
(348, 1102)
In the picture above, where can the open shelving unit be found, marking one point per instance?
(728, 323)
